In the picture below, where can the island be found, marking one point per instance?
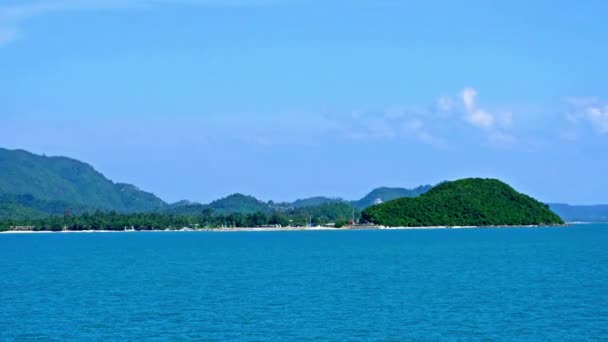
(471, 202)
(45, 193)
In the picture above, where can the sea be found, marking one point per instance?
(487, 284)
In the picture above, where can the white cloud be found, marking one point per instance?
(480, 118)
(590, 110)
(468, 96)
(474, 115)
(422, 124)
(494, 125)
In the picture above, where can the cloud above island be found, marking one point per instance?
(494, 124)
(475, 116)
(589, 110)
(434, 124)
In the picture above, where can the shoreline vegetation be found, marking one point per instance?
(466, 203)
(55, 192)
(472, 202)
(281, 229)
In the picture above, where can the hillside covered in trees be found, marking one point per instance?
(65, 180)
(28, 206)
(36, 187)
(466, 202)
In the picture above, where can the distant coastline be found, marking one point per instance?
(35, 193)
(282, 229)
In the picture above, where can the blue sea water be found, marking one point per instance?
(461, 284)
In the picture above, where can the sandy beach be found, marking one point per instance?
(273, 229)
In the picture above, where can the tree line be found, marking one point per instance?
(336, 213)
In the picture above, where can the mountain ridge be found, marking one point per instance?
(40, 185)
(69, 180)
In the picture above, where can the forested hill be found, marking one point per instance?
(65, 180)
(36, 186)
(235, 203)
(28, 207)
(239, 203)
(466, 202)
(33, 186)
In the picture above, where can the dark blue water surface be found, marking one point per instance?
(465, 284)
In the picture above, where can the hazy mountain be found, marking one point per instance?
(581, 213)
(235, 203)
(70, 181)
(248, 204)
(384, 194)
(315, 201)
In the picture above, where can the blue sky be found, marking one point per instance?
(286, 99)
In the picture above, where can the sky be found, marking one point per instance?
(198, 99)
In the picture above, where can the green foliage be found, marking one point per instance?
(328, 212)
(58, 184)
(67, 180)
(185, 209)
(467, 202)
(341, 223)
(206, 218)
(238, 203)
(27, 206)
(17, 211)
(108, 221)
(36, 187)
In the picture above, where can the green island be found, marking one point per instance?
(466, 202)
(41, 193)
